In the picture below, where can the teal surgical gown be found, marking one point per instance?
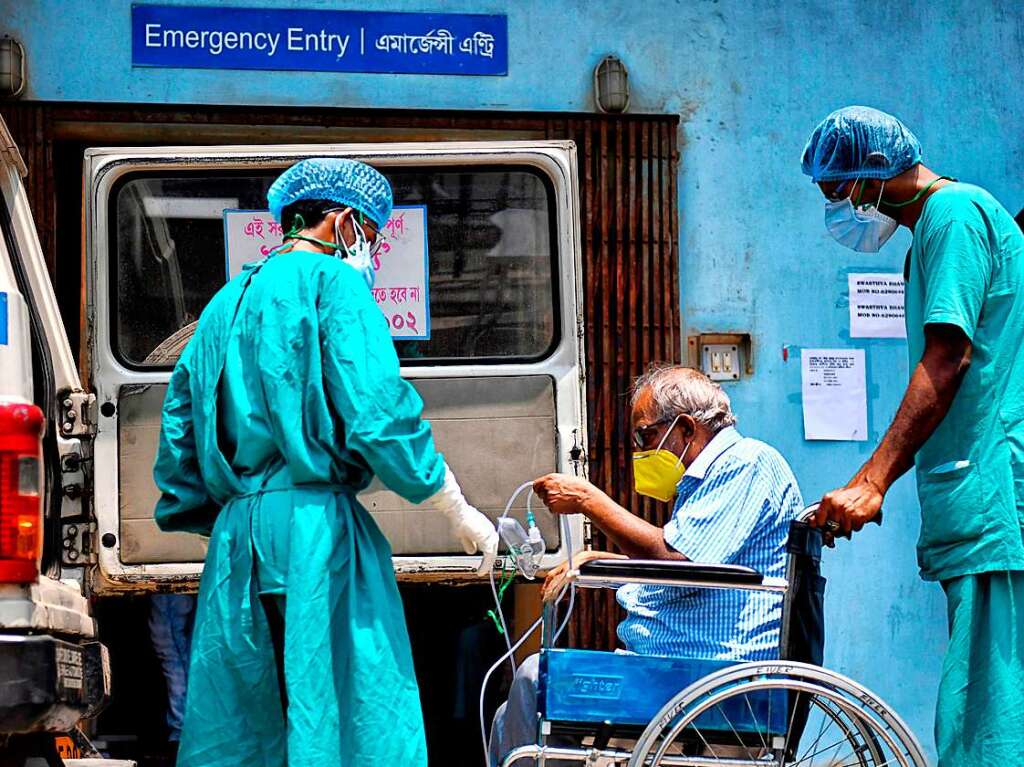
(283, 406)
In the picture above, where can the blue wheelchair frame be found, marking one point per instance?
(584, 693)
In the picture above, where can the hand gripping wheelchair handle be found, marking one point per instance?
(832, 526)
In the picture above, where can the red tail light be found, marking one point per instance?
(21, 491)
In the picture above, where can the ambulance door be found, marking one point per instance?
(479, 281)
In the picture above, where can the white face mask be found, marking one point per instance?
(865, 230)
(357, 255)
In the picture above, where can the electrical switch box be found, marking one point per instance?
(722, 356)
(721, 362)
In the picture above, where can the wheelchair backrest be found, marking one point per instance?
(803, 608)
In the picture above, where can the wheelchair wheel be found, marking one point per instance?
(820, 719)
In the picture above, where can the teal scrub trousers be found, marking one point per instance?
(980, 717)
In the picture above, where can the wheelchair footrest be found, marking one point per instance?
(585, 686)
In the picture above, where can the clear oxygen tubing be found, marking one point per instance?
(567, 535)
(510, 654)
(487, 678)
(494, 588)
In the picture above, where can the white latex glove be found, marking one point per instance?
(475, 531)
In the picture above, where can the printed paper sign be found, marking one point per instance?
(834, 394)
(249, 235)
(401, 286)
(877, 306)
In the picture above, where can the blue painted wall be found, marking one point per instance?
(749, 80)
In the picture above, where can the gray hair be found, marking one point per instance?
(679, 390)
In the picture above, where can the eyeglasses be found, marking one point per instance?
(378, 238)
(643, 434)
(841, 192)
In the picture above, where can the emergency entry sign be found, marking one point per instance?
(326, 40)
(401, 267)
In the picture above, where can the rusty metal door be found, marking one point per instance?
(629, 222)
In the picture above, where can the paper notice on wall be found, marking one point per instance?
(401, 285)
(877, 306)
(834, 394)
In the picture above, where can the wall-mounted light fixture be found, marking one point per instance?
(611, 85)
(12, 68)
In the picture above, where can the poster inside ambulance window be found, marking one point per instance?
(401, 285)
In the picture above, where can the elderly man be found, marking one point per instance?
(961, 419)
(734, 500)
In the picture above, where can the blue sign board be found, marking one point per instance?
(211, 37)
(3, 319)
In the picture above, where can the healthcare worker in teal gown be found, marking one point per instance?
(284, 405)
(961, 421)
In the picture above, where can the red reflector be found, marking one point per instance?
(21, 502)
(18, 571)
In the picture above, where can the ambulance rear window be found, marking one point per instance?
(471, 278)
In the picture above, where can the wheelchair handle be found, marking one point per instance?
(832, 526)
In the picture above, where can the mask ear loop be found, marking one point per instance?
(298, 224)
(860, 194)
(669, 431)
(685, 451)
(881, 191)
(339, 241)
(357, 232)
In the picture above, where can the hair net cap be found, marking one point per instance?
(349, 183)
(859, 142)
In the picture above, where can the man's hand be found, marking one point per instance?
(638, 538)
(555, 581)
(933, 386)
(564, 493)
(850, 507)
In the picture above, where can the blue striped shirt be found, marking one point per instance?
(733, 506)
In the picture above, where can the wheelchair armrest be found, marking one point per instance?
(603, 573)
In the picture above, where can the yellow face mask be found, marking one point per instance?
(656, 473)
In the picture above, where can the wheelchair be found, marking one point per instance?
(644, 711)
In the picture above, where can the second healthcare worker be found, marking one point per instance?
(961, 420)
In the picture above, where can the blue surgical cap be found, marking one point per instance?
(349, 183)
(859, 142)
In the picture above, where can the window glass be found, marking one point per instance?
(491, 244)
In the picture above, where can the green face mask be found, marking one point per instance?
(656, 473)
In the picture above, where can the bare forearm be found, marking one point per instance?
(636, 537)
(933, 387)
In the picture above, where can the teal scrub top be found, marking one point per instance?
(284, 405)
(302, 360)
(966, 268)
